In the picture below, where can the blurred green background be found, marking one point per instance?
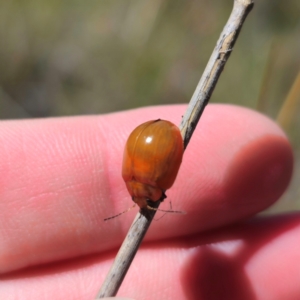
(61, 58)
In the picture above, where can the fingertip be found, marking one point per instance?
(259, 174)
(238, 163)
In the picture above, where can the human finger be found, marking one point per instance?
(257, 259)
(61, 177)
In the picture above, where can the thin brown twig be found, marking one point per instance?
(200, 98)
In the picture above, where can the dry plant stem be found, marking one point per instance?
(214, 68)
(188, 124)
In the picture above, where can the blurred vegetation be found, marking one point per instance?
(72, 57)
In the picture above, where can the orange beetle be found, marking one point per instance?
(152, 157)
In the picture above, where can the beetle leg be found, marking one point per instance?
(163, 196)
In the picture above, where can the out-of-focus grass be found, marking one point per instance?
(288, 118)
(73, 57)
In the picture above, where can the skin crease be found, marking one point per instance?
(59, 178)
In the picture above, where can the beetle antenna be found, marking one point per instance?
(167, 211)
(164, 213)
(125, 211)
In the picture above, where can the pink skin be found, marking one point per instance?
(61, 177)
